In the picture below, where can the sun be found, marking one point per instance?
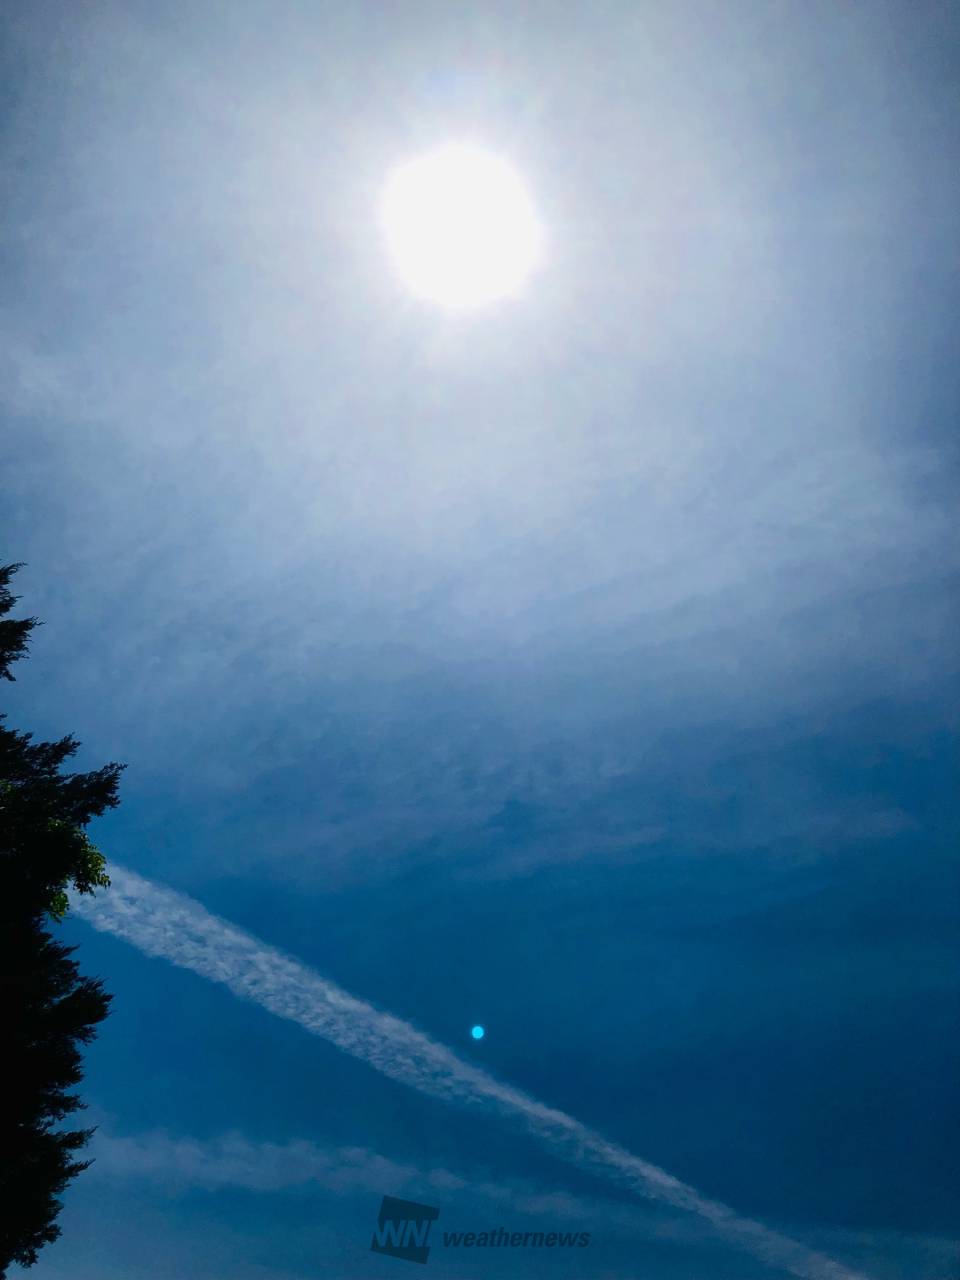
(460, 227)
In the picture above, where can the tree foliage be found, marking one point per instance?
(49, 1010)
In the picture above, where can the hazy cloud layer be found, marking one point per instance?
(179, 1164)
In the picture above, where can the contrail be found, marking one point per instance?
(163, 923)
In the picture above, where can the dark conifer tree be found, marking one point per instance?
(48, 1011)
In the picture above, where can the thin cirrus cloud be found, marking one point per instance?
(176, 1163)
(232, 1160)
(166, 924)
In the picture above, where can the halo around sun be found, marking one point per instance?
(460, 227)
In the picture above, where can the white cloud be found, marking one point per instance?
(232, 1160)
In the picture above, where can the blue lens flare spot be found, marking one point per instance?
(477, 1032)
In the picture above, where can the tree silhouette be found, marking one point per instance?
(48, 1009)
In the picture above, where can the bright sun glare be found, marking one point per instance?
(460, 227)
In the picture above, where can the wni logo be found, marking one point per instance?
(403, 1228)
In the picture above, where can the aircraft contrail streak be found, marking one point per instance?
(169, 925)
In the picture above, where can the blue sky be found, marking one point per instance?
(583, 666)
